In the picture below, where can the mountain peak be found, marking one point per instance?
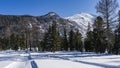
(82, 15)
(52, 14)
(81, 20)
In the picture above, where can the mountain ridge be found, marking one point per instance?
(82, 20)
(10, 23)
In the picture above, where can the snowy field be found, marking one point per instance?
(11, 59)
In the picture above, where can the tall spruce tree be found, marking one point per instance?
(23, 41)
(56, 42)
(65, 41)
(35, 37)
(52, 39)
(47, 41)
(0, 43)
(71, 40)
(78, 41)
(99, 35)
(116, 48)
(88, 41)
(107, 9)
(14, 41)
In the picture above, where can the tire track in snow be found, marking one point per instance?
(23, 62)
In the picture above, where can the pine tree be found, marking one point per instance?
(47, 41)
(4, 41)
(23, 43)
(52, 39)
(107, 9)
(72, 40)
(99, 35)
(35, 37)
(88, 41)
(78, 41)
(56, 42)
(65, 41)
(0, 43)
(116, 48)
(14, 42)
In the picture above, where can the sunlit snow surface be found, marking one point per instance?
(21, 59)
(82, 20)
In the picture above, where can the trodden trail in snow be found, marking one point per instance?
(19, 61)
(59, 60)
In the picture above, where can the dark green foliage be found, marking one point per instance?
(47, 41)
(0, 43)
(23, 42)
(65, 41)
(14, 43)
(78, 41)
(116, 49)
(71, 40)
(107, 9)
(52, 39)
(99, 36)
(55, 38)
(88, 42)
(4, 43)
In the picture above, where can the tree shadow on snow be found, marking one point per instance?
(97, 64)
(33, 64)
(89, 63)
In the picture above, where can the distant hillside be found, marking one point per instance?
(19, 24)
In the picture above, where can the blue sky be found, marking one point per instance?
(40, 7)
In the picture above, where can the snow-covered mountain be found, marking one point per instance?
(81, 21)
(17, 24)
(78, 21)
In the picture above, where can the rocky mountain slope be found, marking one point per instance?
(81, 21)
(38, 25)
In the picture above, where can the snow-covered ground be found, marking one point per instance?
(21, 59)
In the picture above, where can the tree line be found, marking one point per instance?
(53, 41)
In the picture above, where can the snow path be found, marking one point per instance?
(59, 60)
(27, 64)
(17, 60)
(16, 65)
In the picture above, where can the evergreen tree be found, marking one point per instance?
(23, 43)
(56, 42)
(99, 35)
(107, 9)
(78, 41)
(116, 49)
(72, 40)
(47, 41)
(88, 41)
(14, 42)
(65, 41)
(35, 39)
(52, 39)
(3, 44)
(0, 43)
